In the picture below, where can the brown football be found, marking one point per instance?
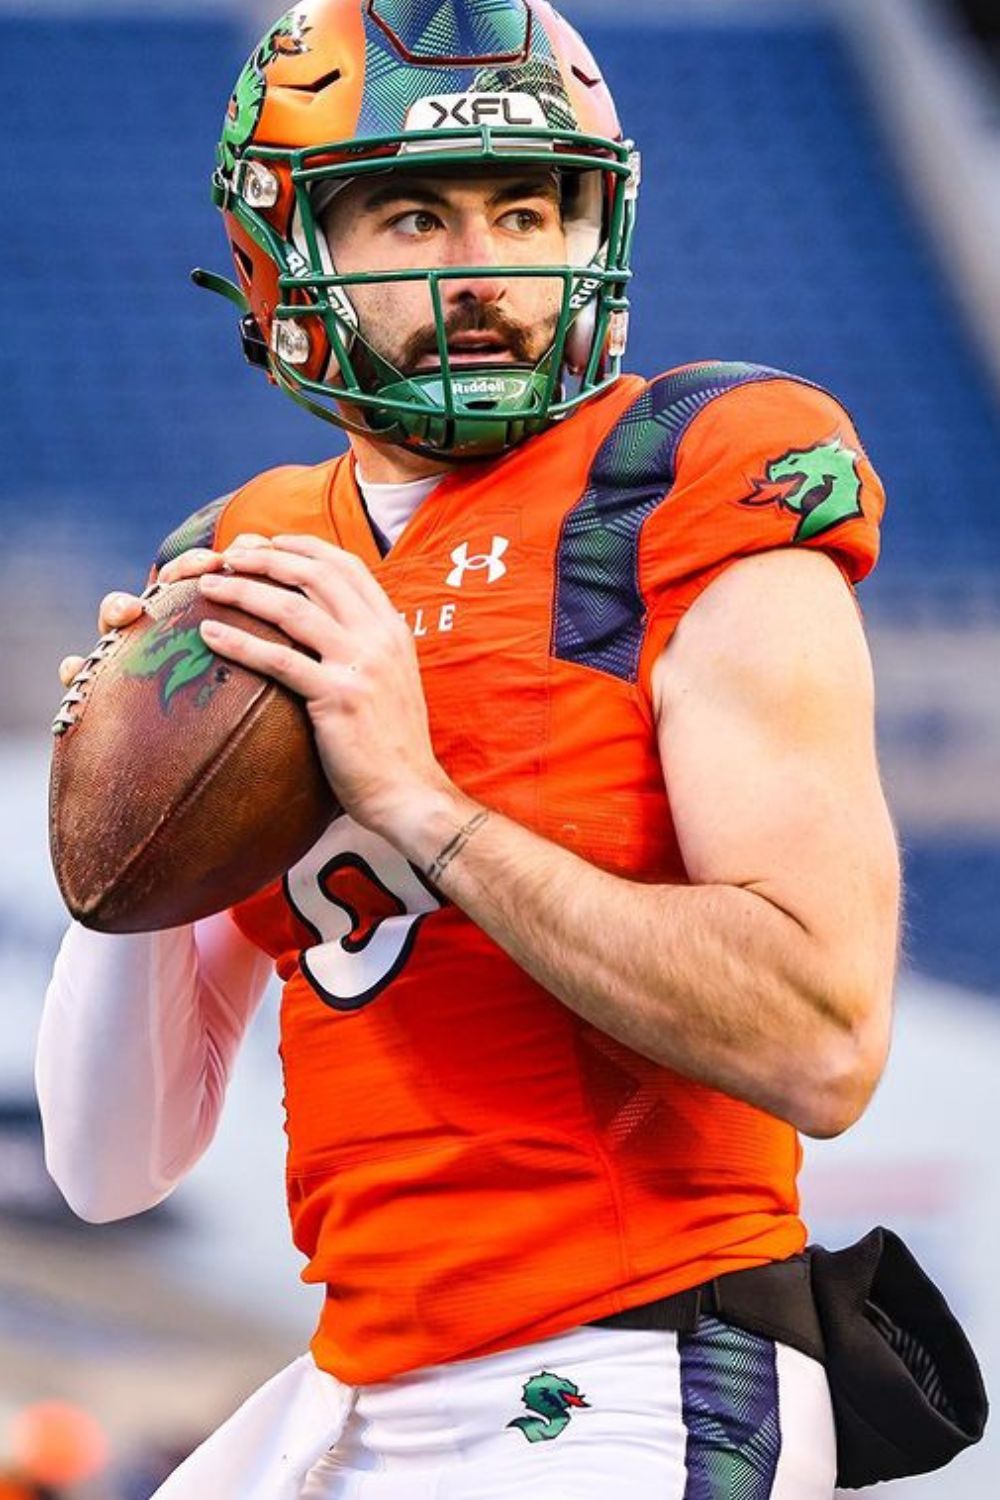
(181, 783)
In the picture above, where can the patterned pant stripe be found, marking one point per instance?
(729, 1396)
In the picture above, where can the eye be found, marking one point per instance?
(418, 221)
(522, 220)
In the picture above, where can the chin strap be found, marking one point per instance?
(255, 349)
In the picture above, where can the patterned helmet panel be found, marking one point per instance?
(394, 85)
(483, 31)
(339, 70)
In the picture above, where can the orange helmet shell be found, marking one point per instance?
(314, 94)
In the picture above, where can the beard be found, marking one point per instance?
(521, 344)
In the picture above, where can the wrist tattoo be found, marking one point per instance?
(455, 845)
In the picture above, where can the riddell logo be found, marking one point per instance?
(492, 561)
(470, 387)
(584, 293)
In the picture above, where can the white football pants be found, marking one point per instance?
(593, 1414)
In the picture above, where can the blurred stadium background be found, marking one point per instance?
(822, 194)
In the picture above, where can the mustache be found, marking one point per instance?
(475, 319)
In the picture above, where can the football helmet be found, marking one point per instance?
(338, 89)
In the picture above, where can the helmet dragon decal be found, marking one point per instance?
(285, 39)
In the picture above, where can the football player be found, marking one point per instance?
(610, 914)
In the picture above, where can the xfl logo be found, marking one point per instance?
(446, 111)
(492, 561)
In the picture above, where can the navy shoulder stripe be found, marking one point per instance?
(599, 615)
(197, 531)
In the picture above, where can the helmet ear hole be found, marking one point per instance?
(244, 266)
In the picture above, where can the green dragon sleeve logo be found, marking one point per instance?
(285, 39)
(820, 485)
(179, 656)
(550, 1396)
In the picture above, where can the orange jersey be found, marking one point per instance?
(470, 1165)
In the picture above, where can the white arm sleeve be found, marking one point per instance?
(137, 1040)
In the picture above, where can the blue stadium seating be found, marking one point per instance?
(951, 904)
(773, 229)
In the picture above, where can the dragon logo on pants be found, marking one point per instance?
(821, 485)
(550, 1396)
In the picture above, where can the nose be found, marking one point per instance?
(471, 244)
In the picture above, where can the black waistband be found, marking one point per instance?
(774, 1300)
(906, 1388)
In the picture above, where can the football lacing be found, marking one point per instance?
(77, 692)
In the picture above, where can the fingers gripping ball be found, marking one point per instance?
(181, 782)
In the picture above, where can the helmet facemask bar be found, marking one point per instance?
(430, 414)
(400, 408)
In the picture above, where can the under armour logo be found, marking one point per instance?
(491, 561)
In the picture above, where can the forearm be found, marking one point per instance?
(769, 975)
(137, 1038)
(713, 981)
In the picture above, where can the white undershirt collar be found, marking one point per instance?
(390, 506)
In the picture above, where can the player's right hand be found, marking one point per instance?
(118, 610)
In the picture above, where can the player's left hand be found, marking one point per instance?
(357, 670)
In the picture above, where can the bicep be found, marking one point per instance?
(765, 721)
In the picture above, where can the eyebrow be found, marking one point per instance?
(424, 193)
